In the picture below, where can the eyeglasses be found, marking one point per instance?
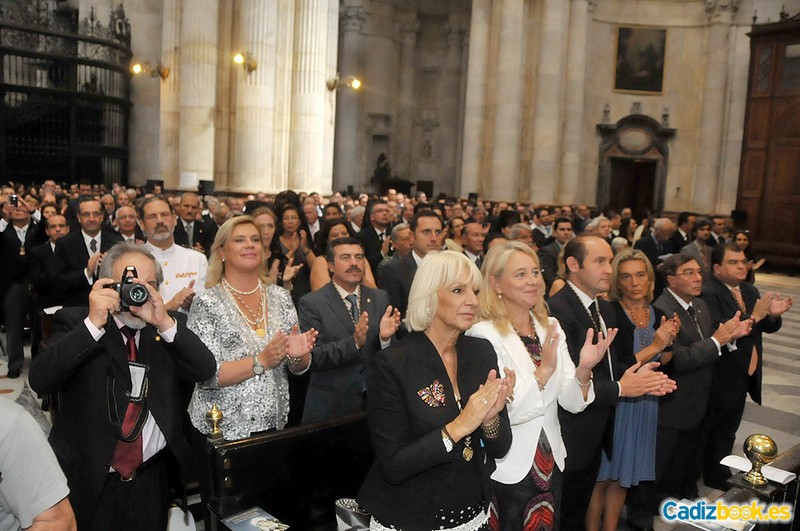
(689, 273)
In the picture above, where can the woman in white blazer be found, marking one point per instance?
(514, 319)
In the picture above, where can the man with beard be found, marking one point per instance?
(184, 269)
(354, 322)
(119, 371)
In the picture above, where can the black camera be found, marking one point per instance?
(130, 293)
(14, 200)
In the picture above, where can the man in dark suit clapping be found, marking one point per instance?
(738, 371)
(695, 352)
(354, 322)
(587, 261)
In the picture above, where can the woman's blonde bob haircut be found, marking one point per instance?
(492, 307)
(614, 289)
(438, 270)
(216, 267)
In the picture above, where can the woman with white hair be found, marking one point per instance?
(436, 409)
(527, 481)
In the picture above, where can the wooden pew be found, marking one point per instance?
(296, 474)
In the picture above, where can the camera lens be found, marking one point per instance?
(138, 294)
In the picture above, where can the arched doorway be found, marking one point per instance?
(633, 159)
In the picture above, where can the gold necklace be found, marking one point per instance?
(640, 323)
(532, 333)
(257, 322)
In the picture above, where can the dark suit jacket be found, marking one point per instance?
(338, 376)
(586, 433)
(137, 234)
(202, 233)
(80, 369)
(678, 241)
(413, 476)
(693, 360)
(548, 261)
(396, 278)
(372, 244)
(71, 257)
(43, 274)
(13, 265)
(647, 245)
(731, 382)
(540, 239)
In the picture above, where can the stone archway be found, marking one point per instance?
(635, 141)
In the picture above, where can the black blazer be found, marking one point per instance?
(731, 382)
(71, 257)
(43, 274)
(372, 244)
(678, 241)
(586, 433)
(80, 369)
(395, 278)
(548, 261)
(202, 233)
(413, 477)
(692, 365)
(338, 368)
(13, 261)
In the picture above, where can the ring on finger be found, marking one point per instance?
(485, 402)
(509, 399)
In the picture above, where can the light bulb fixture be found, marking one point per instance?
(337, 82)
(144, 67)
(247, 61)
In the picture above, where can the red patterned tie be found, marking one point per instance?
(128, 455)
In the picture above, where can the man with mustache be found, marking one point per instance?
(354, 322)
(184, 268)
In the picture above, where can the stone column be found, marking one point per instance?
(326, 186)
(347, 154)
(568, 187)
(256, 140)
(508, 103)
(170, 116)
(198, 65)
(475, 99)
(548, 106)
(712, 122)
(449, 98)
(405, 111)
(306, 139)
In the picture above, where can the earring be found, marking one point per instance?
(223, 260)
(428, 312)
(500, 296)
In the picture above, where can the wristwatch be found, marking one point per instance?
(258, 369)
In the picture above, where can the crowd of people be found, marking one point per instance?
(521, 367)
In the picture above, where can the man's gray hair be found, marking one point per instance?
(121, 249)
(661, 223)
(596, 222)
(396, 230)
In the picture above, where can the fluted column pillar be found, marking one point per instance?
(198, 65)
(405, 110)
(449, 99)
(308, 96)
(475, 99)
(568, 186)
(508, 103)
(712, 122)
(548, 106)
(347, 155)
(170, 115)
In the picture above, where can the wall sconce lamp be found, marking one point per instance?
(159, 70)
(247, 61)
(337, 82)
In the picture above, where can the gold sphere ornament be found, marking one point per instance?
(760, 450)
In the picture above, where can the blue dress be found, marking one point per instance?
(633, 456)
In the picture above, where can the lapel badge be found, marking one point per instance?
(158, 337)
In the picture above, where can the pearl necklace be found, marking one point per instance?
(245, 293)
(257, 322)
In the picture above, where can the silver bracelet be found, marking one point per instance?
(587, 384)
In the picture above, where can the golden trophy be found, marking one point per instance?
(760, 450)
(214, 417)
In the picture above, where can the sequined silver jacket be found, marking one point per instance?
(258, 403)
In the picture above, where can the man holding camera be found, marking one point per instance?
(119, 367)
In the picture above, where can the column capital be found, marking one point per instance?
(718, 6)
(352, 18)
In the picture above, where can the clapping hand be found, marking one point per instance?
(300, 345)
(390, 322)
(779, 305)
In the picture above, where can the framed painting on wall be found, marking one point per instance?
(640, 59)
